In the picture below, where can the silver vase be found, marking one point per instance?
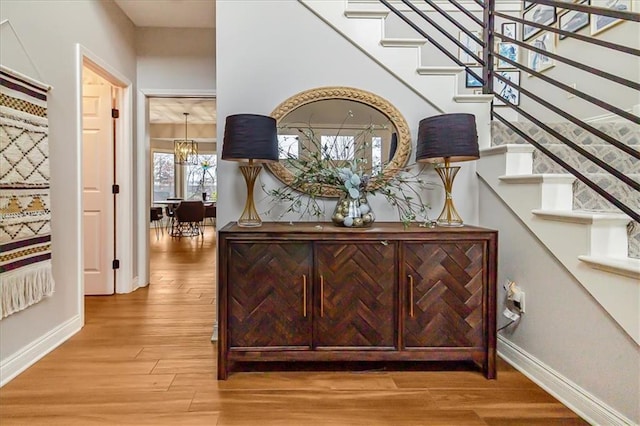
(353, 212)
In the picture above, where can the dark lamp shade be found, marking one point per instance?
(250, 137)
(447, 136)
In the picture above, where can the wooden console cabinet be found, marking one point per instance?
(316, 292)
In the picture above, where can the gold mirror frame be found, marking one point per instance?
(403, 150)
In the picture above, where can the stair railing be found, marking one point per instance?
(489, 76)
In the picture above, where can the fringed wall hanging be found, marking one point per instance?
(25, 231)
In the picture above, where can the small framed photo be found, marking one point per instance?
(509, 51)
(471, 81)
(511, 94)
(600, 23)
(509, 30)
(573, 21)
(470, 44)
(540, 14)
(539, 61)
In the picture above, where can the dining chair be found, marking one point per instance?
(170, 213)
(155, 218)
(189, 216)
(210, 213)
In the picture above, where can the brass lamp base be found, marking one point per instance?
(250, 216)
(449, 216)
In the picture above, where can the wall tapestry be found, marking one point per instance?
(25, 231)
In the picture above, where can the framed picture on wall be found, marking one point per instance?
(539, 14)
(510, 52)
(470, 44)
(509, 29)
(600, 23)
(573, 21)
(471, 81)
(539, 61)
(511, 94)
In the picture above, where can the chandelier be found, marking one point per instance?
(185, 150)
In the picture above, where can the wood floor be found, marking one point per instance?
(146, 358)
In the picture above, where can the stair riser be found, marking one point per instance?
(627, 133)
(610, 155)
(585, 198)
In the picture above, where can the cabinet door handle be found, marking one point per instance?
(321, 296)
(410, 296)
(304, 296)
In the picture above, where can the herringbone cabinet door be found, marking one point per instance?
(355, 287)
(444, 308)
(267, 294)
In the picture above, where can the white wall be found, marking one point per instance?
(49, 32)
(563, 326)
(176, 58)
(270, 50)
(170, 62)
(617, 63)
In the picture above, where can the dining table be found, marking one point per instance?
(172, 204)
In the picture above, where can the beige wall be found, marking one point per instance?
(49, 31)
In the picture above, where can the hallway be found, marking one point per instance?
(146, 359)
(140, 356)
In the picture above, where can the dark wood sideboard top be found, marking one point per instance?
(375, 230)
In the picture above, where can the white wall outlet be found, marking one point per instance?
(516, 295)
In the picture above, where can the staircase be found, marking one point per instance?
(595, 242)
(583, 198)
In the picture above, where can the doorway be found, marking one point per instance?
(161, 122)
(99, 101)
(105, 159)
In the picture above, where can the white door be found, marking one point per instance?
(98, 208)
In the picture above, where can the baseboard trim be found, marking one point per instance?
(635, 109)
(30, 354)
(586, 405)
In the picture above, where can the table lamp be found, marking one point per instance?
(445, 139)
(252, 138)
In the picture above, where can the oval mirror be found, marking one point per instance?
(344, 123)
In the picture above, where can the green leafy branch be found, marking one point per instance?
(318, 166)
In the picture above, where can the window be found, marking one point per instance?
(287, 147)
(201, 178)
(163, 176)
(338, 147)
(376, 155)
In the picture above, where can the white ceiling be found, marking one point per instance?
(170, 13)
(171, 110)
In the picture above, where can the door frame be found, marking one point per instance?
(143, 156)
(124, 171)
